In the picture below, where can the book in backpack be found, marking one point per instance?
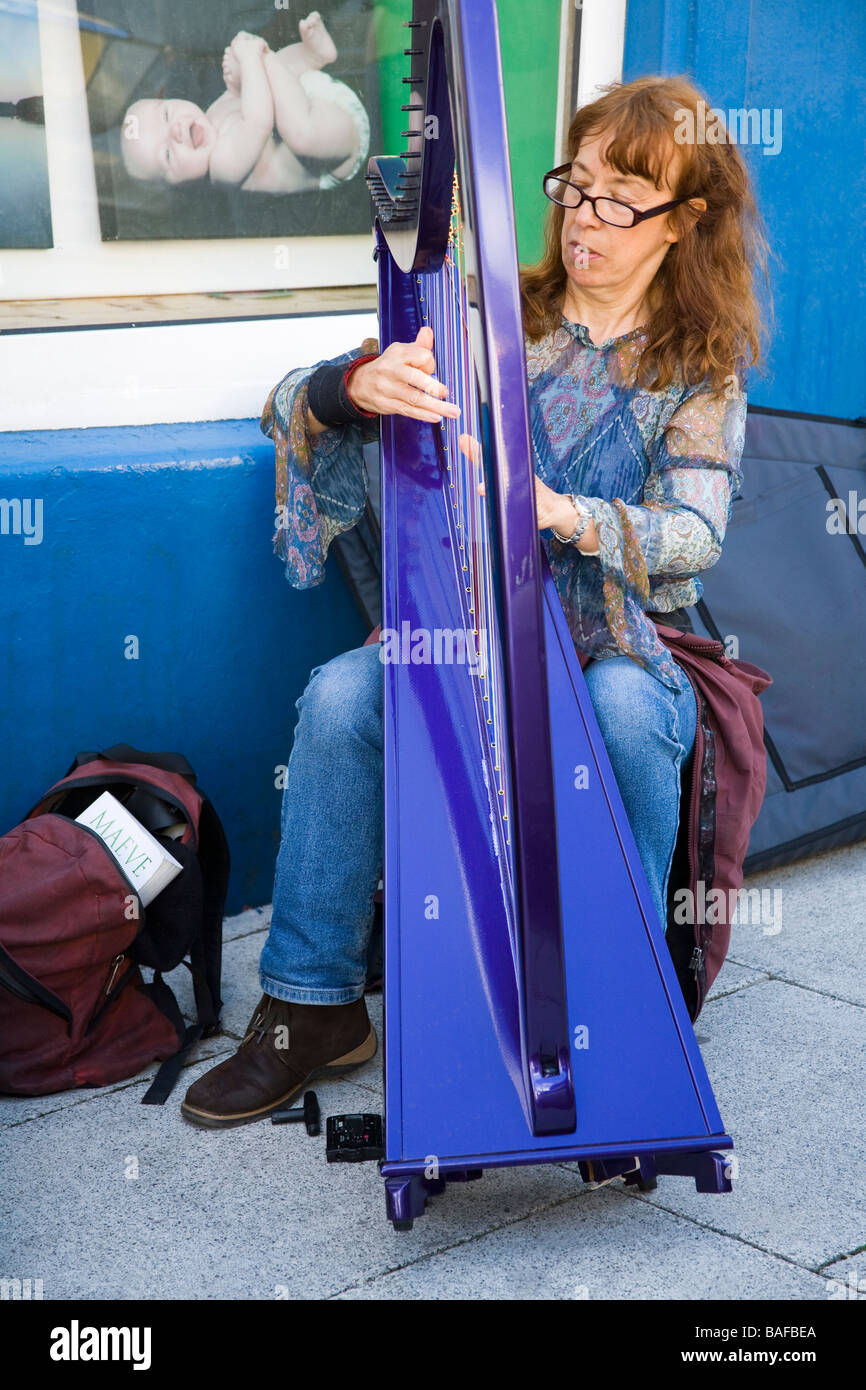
(75, 1009)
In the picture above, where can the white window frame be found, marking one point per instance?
(600, 60)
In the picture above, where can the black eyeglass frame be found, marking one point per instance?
(636, 213)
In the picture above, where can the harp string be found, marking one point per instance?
(445, 309)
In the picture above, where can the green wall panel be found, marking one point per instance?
(529, 41)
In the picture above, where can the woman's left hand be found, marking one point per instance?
(552, 508)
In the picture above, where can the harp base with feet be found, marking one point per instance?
(407, 1193)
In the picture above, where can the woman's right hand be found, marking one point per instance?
(400, 381)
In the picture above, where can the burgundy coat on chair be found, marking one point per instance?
(721, 796)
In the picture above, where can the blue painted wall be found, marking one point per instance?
(809, 61)
(163, 533)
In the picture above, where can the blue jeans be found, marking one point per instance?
(330, 856)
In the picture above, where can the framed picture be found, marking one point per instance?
(230, 119)
(25, 205)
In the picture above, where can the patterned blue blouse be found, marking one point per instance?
(658, 470)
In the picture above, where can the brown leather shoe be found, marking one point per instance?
(285, 1045)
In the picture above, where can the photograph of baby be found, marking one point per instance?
(267, 134)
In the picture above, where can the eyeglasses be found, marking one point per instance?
(571, 195)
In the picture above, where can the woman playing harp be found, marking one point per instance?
(639, 325)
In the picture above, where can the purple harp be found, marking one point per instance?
(532, 1010)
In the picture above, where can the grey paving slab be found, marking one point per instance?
(732, 977)
(598, 1246)
(788, 1068)
(249, 1213)
(820, 919)
(847, 1278)
(251, 920)
(257, 1212)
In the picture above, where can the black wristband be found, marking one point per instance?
(328, 399)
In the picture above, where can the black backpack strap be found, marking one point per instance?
(125, 753)
(205, 953)
(163, 1083)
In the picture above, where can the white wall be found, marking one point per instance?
(156, 374)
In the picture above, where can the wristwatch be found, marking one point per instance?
(583, 520)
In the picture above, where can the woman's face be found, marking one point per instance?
(170, 140)
(596, 254)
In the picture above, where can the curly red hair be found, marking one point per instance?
(705, 321)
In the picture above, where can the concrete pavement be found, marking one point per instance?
(105, 1198)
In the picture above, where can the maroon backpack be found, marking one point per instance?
(74, 1008)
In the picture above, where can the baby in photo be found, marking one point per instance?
(279, 118)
